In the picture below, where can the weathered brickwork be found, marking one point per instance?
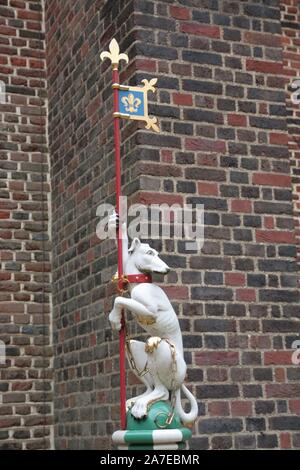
(222, 101)
(82, 169)
(223, 114)
(290, 21)
(25, 378)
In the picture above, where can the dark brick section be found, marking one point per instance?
(26, 377)
(291, 55)
(82, 168)
(221, 103)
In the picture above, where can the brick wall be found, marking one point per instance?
(25, 379)
(290, 21)
(82, 169)
(224, 142)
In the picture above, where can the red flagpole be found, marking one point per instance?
(114, 56)
(122, 334)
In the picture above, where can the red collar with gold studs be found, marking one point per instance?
(124, 280)
(133, 278)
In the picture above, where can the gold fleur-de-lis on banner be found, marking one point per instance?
(131, 103)
(114, 54)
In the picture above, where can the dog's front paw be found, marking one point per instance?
(115, 320)
(139, 409)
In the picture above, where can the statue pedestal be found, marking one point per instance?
(152, 432)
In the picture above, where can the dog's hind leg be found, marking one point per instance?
(138, 358)
(159, 359)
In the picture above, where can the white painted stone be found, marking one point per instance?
(152, 309)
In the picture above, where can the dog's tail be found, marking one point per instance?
(186, 418)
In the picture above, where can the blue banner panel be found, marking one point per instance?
(132, 102)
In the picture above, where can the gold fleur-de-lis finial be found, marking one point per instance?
(114, 54)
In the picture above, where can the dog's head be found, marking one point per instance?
(146, 259)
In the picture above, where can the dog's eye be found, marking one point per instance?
(150, 253)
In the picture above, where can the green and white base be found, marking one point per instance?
(152, 432)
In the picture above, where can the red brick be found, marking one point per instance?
(7, 31)
(266, 39)
(208, 189)
(6, 234)
(181, 69)
(280, 375)
(21, 386)
(263, 66)
(294, 406)
(10, 422)
(237, 120)
(34, 25)
(6, 70)
(176, 292)
(246, 295)
(36, 64)
(16, 185)
(209, 159)
(201, 30)
(278, 357)
(22, 277)
(241, 408)
(93, 339)
(269, 222)
(279, 138)
(39, 267)
(18, 61)
(29, 15)
(218, 408)
(263, 108)
(271, 179)
(146, 64)
(205, 145)
(217, 358)
(20, 196)
(235, 279)
(241, 205)
(94, 106)
(260, 342)
(166, 156)
(6, 256)
(159, 198)
(133, 379)
(5, 276)
(285, 440)
(182, 99)
(17, 4)
(274, 236)
(180, 13)
(8, 205)
(11, 307)
(82, 195)
(84, 49)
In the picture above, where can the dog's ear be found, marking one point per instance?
(134, 245)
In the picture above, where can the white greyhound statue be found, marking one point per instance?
(159, 362)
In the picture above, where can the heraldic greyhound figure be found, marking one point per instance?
(159, 363)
